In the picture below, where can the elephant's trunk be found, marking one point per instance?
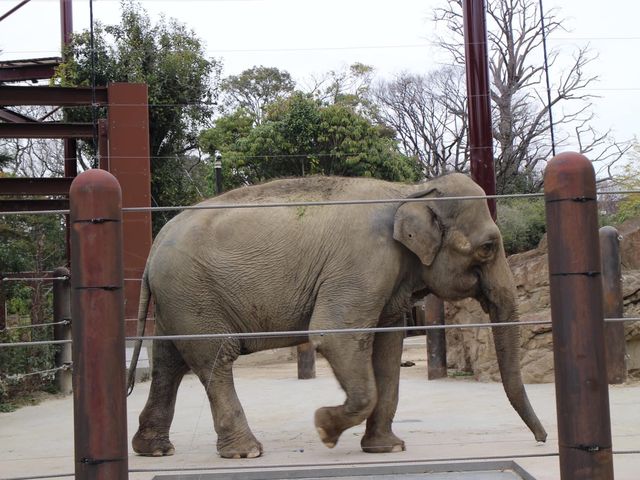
(501, 303)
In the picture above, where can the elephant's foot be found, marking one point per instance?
(382, 443)
(330, 423)
(245, 447)
(151, 444)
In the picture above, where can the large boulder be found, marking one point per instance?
(471, 350)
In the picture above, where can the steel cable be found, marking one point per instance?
(231, 206)
(301, 333)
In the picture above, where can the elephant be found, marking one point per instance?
(318, 267)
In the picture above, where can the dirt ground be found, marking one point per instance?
(455, 419)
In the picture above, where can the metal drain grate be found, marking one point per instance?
(423, 471)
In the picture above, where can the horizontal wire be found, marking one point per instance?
(220, 206)
(37, 325)
(304, 333)
(43, 373)
(32, 279)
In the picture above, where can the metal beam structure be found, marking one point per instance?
(61, 96)
(28, 70)
(46, 130)
(35, 186)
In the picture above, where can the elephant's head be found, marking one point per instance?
(462, 255)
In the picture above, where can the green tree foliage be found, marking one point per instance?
(522, 223)
(629, 179)
(171, 60)
(256, 88)
(299, 136)
(27, 243)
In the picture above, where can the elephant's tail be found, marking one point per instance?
(143, 309)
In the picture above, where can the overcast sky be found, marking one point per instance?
(307, 37)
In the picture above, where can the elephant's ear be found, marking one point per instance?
(416, 226)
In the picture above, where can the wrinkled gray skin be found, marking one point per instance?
(323, 267)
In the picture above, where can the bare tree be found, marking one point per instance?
(430, 118)
(36, 157)
(521, 126)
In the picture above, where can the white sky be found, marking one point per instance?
(311, 37)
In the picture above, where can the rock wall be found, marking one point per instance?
(471, 350)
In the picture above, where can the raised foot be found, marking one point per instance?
(382, 443)
(151, 444)
(328, 425)
(250, 448)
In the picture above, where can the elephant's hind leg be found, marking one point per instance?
(235, 439)
(152, 437)
(387, 354)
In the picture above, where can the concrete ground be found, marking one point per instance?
(450, 420)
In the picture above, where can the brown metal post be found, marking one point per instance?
(66, 21)
(582, 396)
(3, 315)
(129, 162)
(433, 309)
(103, 143)
(306, 361)
(62, 331)
(614, 342)
(100, 413)
(478, 97)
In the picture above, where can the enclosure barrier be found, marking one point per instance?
(614, 342)
(62, 327)
(575, 285)
(99, 399)
(582, 399)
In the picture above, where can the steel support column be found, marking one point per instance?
(129, 162)
(478, 97)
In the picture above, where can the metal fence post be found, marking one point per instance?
(306, 361)
(62, 331)
(582, 396)
(100, 414)
(436, 339)
(614, 343)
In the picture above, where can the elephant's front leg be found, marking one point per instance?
(350, 358)
(387, 355)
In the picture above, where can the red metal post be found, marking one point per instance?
(62, 331)
(66, 21)
(129, 162)
(103, 143)
(614, 342)
(99, 391)
(436, 339)
(306, 361)
(582, 396)
(478, 98)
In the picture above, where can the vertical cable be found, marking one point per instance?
(546, 73)
(94, 113)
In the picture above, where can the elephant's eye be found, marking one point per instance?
(486, 249)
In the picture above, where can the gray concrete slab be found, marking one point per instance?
(452, 420)
(417, 471)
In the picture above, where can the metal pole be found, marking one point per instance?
(478, 98)
(62, 313)
(582, 396)
(217, 165)
(306, 361)
(99, 391)
(3, 309)
(433, 309)
(614, 343)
